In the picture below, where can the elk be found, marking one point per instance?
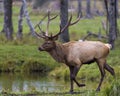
(75, 53)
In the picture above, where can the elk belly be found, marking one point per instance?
(90, 61)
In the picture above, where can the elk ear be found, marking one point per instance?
(55, 38)
(46, 38)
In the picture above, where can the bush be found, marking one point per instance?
(8, 66)
(32, 65)
(29, 65)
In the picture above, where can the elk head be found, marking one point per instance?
(49, 41)
(48, 45)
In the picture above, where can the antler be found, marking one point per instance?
(44, 34)
(69, 23)
(37, 25)
(40, 35)
(49, 19)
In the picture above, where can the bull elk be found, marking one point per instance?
(76, 53)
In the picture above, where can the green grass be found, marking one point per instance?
(24, 58)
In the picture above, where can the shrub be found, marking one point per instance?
(8, 66)
(32, 65)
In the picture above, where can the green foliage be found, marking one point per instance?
(31, 65)
(114, 89)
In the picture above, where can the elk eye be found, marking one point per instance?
(48, 43)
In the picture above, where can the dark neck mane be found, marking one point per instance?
(58, 53)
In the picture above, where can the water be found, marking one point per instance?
(25, 82)
(41, 83)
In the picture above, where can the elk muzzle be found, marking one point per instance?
(40, 49)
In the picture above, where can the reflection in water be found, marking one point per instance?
(22, 82)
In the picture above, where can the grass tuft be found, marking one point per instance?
(114, 89)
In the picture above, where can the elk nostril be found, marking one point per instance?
(40, 49)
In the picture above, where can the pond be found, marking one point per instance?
(42, 83)
(24, 82)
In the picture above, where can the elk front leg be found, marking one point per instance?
(76, 69)
(71, 80)
(73, 72)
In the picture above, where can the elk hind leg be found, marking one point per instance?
(101, 68)
(109, 69)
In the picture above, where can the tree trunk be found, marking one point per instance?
(112, 22)
(79, 8)
(1, 6)
(117, 9)
(88, 9)
(20, 27)
(64, 37)
(8, 26)
(26, 14)
(96, 10)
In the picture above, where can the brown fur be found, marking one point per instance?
(83, 51)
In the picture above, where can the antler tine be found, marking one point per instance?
(75, 21)
(40, 21)
(67, 25)
(53, 17)
(62, 30)
(43, 34)
(41, 30)
(40, 35)
(38, 25)
(48, 23)
(49, 19)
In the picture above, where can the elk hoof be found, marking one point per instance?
(98, 89)
(81, 85)
(71, 92)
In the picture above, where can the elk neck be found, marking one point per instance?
(58, 53)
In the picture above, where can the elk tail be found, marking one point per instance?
(109, 46)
